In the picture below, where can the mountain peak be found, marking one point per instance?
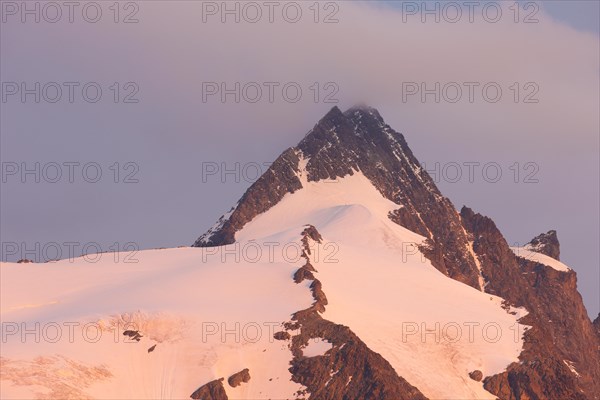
(359, 141)
(333, 115)
(361, 111)
(359, 120)
(340, 144)
(359, 108)
(546, 243)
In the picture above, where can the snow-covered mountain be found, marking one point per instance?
(342, 273)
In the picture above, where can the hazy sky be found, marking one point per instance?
(541, 134)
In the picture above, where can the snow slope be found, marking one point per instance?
(172, 297)
(528, 253)
(432, 329)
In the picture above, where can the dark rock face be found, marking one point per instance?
(24, 261)
(476, 375)
(359, 373)
(359, 140)
(546, 243)
(238, 378)
(561, 333)
(213, 390)
(541, 379)
(597, 326)
(349, 370)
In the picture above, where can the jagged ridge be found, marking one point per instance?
(561, 333)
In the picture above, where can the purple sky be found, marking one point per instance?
(373, 54)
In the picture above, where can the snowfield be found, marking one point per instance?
(186, 301)
(183, 300)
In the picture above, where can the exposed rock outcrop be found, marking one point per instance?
(546, 243)
(476, 375)
(213, 390)
(133, 335)
(349, 370)
(238, 378)
(282, 335)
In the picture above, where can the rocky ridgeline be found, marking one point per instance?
(561, 332)
(349, 370)
(280, 179)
